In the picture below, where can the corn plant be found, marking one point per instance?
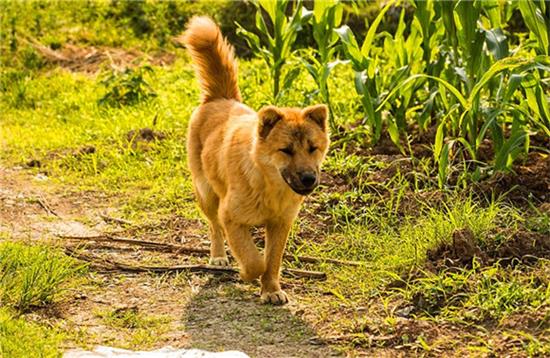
(517, 118)
(365, 67)
(274, 43)
(482, 90)
(326, 16)
(376, 72)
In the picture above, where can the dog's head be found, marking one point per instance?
(294, 141)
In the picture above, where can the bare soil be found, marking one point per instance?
(529, 179)
(92, 58)
(514, 247)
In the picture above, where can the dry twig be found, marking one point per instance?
(42, 202)
(110, 219)
(160, 246)
(111, 265)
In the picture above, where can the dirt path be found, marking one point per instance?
(146, 310)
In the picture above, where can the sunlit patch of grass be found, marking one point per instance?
(388, 244)
(33, 276)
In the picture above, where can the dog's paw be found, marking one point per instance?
(275, 298)
(219, 261)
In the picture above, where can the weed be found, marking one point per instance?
(141, 330)
(127, 87)
(130, 318)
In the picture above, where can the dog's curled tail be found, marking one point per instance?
(213, 58)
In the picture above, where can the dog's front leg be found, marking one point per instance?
(276, 236)
(251, 263)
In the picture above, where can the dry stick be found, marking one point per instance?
(145, 244)
(45, 206)
(108, 218)
(193, 250)
(356, 337)
(120, 266)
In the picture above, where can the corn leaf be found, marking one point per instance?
(535, 21)
(367, 43)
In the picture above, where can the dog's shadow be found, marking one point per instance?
(227, 315)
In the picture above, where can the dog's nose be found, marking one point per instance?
(308, 179)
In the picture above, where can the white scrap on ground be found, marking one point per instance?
(166, 352)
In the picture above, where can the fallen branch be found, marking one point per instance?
(111, 265)
(41, 201)
(359, 339)
(194, 250)
(110, 219)
(157, 246)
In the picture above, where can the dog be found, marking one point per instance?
(248, 169)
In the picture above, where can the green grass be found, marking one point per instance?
(21, 338)
(390, 245)
(32, 276)
(481, 293)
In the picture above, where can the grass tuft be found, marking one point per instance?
(33, 276)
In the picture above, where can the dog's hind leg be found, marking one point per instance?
(209, 202)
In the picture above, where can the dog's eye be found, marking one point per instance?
(312, 149)
(287, 150)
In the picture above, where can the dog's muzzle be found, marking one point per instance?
(302, 183)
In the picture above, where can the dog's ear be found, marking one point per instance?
(318, 114)
(269, 116)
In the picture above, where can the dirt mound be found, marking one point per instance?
(76, 153)
(528, 180)
(512, 247)
(145, 135)
(140, 139)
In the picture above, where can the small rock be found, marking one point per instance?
(405, 312)
(41, 177)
